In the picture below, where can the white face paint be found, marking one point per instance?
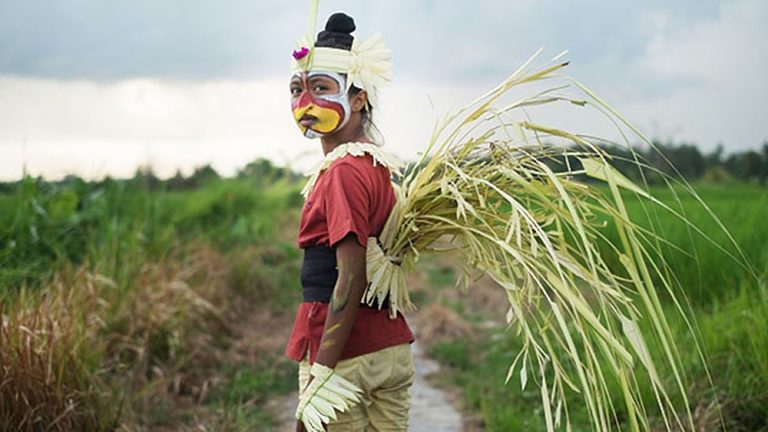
(316, 111)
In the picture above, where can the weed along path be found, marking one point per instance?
(431, 410)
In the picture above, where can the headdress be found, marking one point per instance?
(367, 64)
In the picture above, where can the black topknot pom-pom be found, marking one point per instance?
(337, 32)
(340, 22)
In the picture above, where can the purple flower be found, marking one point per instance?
(300, 53)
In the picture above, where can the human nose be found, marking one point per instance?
(305, 98)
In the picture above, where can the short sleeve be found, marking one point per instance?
(347, 203)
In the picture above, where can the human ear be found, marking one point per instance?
(359, 101)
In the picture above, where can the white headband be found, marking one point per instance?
(368, 65)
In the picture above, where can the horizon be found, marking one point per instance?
(148, 169)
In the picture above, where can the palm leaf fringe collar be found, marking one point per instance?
(357, 149)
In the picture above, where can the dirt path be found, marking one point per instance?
(431, 410)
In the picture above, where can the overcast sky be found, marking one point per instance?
(100, 87)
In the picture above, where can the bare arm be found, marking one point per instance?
(349, 289)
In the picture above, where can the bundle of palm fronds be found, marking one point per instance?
(508, 197)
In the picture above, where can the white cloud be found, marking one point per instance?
(718, 67)
(59, 127)
(56, 127)
(692, 69)
(730, 49)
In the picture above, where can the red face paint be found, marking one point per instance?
(319, 103)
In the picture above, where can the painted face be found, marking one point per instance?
(319, 102)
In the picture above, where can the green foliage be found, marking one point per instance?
(735, 336)
(479, 368)
(734, 333)
(39, 226)
(243, 397)
(439, 275)
(114, 224)
(161, 272)
(700, 261)
(730, 309)
(687, 160)
(257, 383)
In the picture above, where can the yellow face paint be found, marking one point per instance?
(317, 118)
(319, 103)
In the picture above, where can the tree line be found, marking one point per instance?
(669, 158)
(260, 172)
(664, 158)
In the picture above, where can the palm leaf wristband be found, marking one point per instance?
(326, 394)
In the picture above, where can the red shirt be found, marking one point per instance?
(351, 196)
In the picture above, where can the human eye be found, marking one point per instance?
(322, 85)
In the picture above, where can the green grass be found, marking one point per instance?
(702, 266)
(112, 224)
(730, 308)
(479, 368)
(171, 270)
(735, 335)
(248, 388)
(139, 239)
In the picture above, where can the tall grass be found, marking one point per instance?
(703, 266)
(48, 363)
(115, 297)
(730, 308)
(734, 333)
(116, 223)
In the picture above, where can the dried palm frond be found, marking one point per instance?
(501, 194)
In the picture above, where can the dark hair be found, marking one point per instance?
(338, 34)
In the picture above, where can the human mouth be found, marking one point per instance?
(307, 120)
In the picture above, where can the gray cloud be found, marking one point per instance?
(126, 78)
(105, 40)
(463, 40)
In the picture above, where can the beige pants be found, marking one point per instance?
(385, 377)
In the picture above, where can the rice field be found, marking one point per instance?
(728, 304)
(121, 304)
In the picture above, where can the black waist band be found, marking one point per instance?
(319, 275)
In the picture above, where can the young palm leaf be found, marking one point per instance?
(503, 195)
